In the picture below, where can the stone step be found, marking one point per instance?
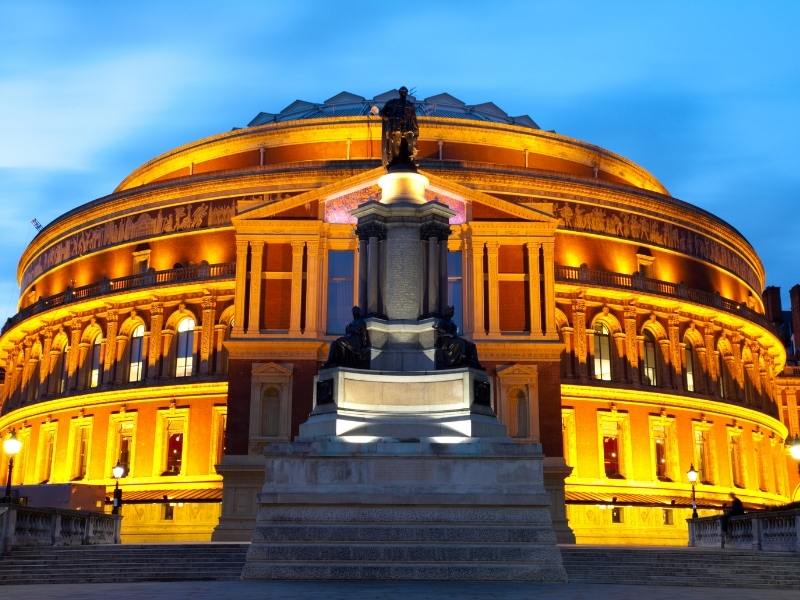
(458, 571)
(398, 552)
(399, 533)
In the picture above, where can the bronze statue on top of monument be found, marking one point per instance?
(399, 133)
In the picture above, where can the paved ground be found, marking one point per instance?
(284, 590)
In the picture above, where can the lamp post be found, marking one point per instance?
(692, 475)
(116, 505)
(11, 446)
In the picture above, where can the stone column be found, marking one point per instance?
(256, 278)
(110, 355)
(478, 283)
(296, 303)
(154, 350)
(241, 287)
(569, 352)
(313, 286)
(579, 337)
(663, 366)
(46, 363)
(208, 305)
(373, 275)
(712, 378)
(618, 372)
(433, 275)
(74, 355)
(492, 251)
(632, 344)
(534, 288)
(219, 349)
(676, 354)
(167, 353)
(363, 281)
(548, 251)
(444, 282)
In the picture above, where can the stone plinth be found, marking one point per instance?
(402, 345)
(476, 510)
(374, 404)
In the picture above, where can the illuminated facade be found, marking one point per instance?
(175, 326)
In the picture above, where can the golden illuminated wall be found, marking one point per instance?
(167, 244)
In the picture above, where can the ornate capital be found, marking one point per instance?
(371, 229)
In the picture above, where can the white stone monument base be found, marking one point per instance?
(418, 510)
(364, 405)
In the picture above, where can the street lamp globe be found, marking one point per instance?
(794, 448)
(692, 474)
(118, 471)
(12, 445)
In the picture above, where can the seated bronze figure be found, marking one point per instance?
(353, 348)
(453, 351)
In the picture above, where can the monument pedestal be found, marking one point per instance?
(403, 471)
(407, 510)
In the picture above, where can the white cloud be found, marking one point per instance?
(60, 119)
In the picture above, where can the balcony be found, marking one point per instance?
(152, 278)
(638, 282)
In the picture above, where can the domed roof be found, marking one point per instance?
(346, 104)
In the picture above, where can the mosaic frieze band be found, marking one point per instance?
(577, 217)
(215, 213)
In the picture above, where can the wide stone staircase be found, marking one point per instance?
(123, 563)
(681, 567)
(584, 564)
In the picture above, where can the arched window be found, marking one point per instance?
(602, 352)
(523, 414)
(649, 369)
(688, 362)
(270, 412)
(184, 348)
(136, 369)
(95, 366)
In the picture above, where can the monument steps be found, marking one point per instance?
(682, 566)
(123, 563)
(408, 571)
(398, 533)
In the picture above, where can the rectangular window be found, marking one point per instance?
(611, 456)
(125, 447)
(169, 511)
(661, 459)
(455, 280)
(173, 458)
(340, 290)
(667, 517)
(737, 470)
(616, 514)
(81, 453)
(702, 456)
(49, 448)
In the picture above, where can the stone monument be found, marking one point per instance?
(402, 470)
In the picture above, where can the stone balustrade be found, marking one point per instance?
(769, 530)
(26, 526)
(639, 282)
(151, 278)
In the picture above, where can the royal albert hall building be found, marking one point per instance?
(176, 325)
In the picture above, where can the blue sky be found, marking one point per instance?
(702, 94)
